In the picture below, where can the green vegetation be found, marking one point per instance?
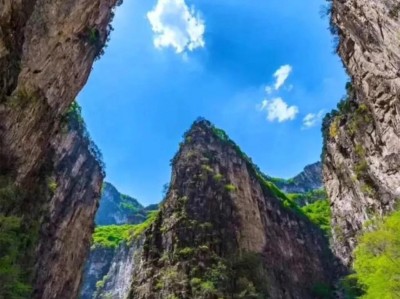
(12, 241)
(302, 199)
(73, 121)
(19, 230)
(230, 187)
(395, 11)
(377, 259)
(52, 185)
(323, 291)
(319, 213)
(207, 168)
(111, 236)
(218, 177)
(239, 276)
(22, 98)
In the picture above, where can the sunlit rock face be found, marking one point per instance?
(47, 49)
(222, 222)
(109, 267)
(117, 208)
(362, 142)
(308, 180)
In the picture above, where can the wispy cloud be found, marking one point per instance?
(278, 109)
(312, 119)
(281, 75)
(176, 25)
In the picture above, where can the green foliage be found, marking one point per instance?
(230, 187)
(111, 236)
(73, 121)
(185, 252)
(377, 259)
(319, 213)
(12, 241)
(302, 199)
(361, 168)
(394, 12)
(17, 240)
(367, 189)
(22, 98)
(52, 185)
(218, 177)
(207, 168)
(239, 276)
(142, 227)
(351, 287)
(323, 291)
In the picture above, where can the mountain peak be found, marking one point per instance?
(220, 209)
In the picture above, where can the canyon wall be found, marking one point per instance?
(47, 49)
(362, 138)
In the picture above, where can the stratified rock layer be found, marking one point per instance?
(362, 147)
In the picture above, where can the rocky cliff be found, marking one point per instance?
(50, 179)
(117, 208)
(105, 263)
(308, 180)
(224, 231)
(362, 138)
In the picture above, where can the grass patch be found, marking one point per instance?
(111, 236)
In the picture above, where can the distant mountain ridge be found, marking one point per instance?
(118, 208)
(308, 180)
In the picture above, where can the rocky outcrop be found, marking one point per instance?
(223, 229)
(104, 265)
(117, 208)
(96, 268)
(362, 139)
(308, 180)
(47, 49)
(116, 283)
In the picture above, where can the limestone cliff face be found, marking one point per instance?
(47, 49)
(223, 231)
(362, 147)
(117, 282)
(96, 268)
(104, 264)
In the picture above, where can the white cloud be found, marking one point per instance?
(311, 119)
(281, 75)
(278, 109)
(176, 25)
(268, 89)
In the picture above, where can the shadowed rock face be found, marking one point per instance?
(362, 146)
(218, 213)
(47, 49)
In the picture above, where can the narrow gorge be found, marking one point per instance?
(224, 229)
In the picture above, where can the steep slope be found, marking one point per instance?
(50, 176)
(223, 230)
(308, 180)
(362, 139)
(109, 260)
(117, 208)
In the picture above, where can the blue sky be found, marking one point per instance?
(264, 71)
